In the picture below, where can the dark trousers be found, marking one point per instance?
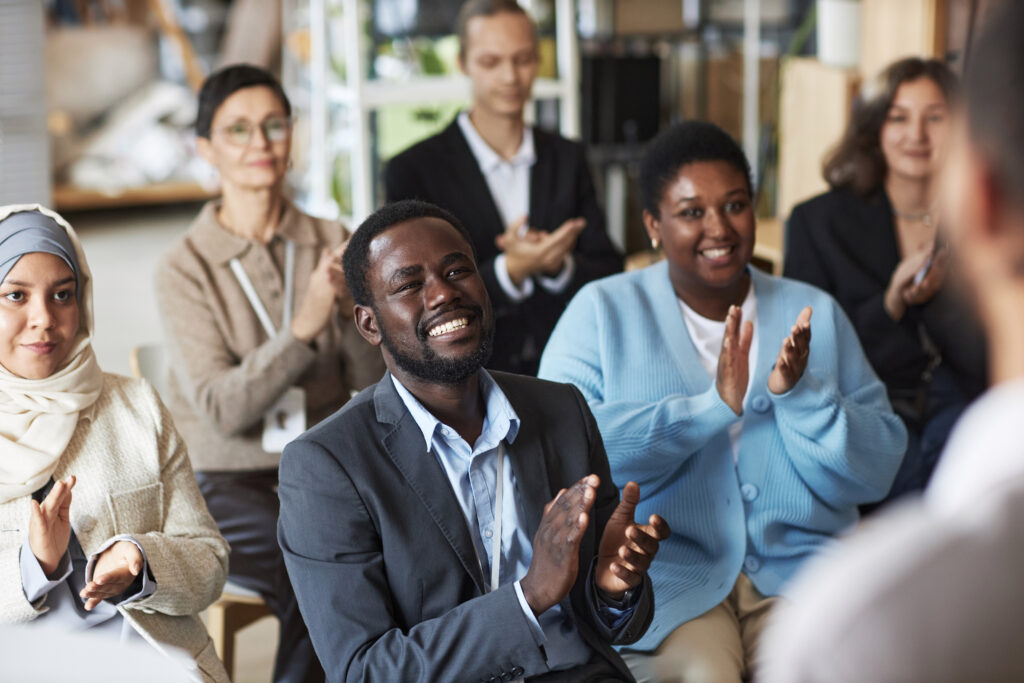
(245, 507)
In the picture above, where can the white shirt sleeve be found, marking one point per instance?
(516, 294)
(559, 283)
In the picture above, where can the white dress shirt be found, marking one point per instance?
(509, 183)
(707, 335)
(930, 590)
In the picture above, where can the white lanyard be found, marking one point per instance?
(496, 540)
(250, 292)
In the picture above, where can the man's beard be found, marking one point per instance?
(437, 369)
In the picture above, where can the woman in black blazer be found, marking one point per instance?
(871, 241)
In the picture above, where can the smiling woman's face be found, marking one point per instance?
(707, 227)
(914, 136)
(38, 315)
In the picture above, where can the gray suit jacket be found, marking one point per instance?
(381, 557)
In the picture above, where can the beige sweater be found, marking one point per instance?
(226, 372)
(133, 478)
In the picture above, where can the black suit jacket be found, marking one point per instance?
(380, 554)
(847, 245)
(442, 170)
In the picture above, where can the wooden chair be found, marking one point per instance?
(237, 607)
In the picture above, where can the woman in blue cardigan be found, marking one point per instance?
(754, 439)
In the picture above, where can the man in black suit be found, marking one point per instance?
(525, 195)
(393, 508)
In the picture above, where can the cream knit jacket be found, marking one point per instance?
(134, 478)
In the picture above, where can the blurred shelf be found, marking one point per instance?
(68, 198)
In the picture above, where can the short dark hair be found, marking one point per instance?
(357, 254)
(994, 89)
(857, 162)
(682, 144)
(222, 84)
(485, 8)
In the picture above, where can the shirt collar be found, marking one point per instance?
(486, 157)
(500, 420)
(221, 245)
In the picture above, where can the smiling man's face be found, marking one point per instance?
(432, 313)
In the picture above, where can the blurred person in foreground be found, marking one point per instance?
(260, 337)
(931, 591)
(102, 528)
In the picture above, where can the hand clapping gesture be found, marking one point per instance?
(625, 552)
(326, 284)
(627, 548)
(115, 570)
(734, 360)
(907, 289)
(49, 527)
(792, 360)
(529, 252)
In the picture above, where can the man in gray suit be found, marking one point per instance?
(933, 591)
(450, 524)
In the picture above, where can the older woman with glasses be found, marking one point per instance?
(261, 342)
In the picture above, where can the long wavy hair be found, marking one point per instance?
(857, 162)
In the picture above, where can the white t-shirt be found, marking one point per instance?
(707, 336)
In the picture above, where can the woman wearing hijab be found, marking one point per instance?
(102, 527)
(259, 334)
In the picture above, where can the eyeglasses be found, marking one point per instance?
(275, 129)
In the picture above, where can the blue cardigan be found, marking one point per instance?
(807, 458)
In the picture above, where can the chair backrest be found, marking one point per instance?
(149, 362)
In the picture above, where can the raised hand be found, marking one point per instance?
(734, 360)
(49, 526)
(792, 360)
(627, 548)
(115, 570)
(318, 302)
(556, 545)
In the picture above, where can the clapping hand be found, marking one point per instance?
(627, 548)
(115, 570)
(556, 546)
(907, 289)
(529, 252)
(734, 360)
(49, 527)
(792, 360)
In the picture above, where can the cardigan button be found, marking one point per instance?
(761, 404)
(749, 492)
(86, 523)
(751, 564)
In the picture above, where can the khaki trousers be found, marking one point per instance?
(719, 646)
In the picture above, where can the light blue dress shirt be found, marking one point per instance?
(473, 475)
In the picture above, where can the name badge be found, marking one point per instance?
(285, 421)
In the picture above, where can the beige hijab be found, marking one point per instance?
(39, 416)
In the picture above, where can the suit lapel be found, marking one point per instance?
(425, 476)
(528, 461)
(484, 216)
